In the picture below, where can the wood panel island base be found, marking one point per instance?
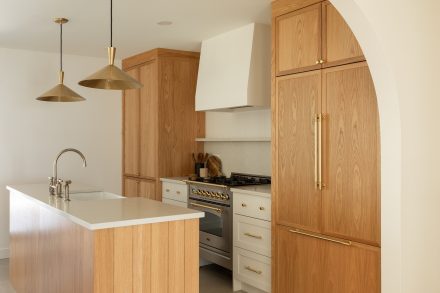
(101, 246)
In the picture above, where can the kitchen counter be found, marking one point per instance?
(178, 180)
(100, 242)
(105, 213)
(260, 190)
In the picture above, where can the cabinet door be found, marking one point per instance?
(298, 261)
(131, 187)
(305, 264)
(354, 268)
(298, 40)
(147, 189)
(131, 128)
(297, 200)
(148, 120)
(351, 199)
(339, 43)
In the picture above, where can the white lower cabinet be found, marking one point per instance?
(174, 192)
(252, 243)
(175, 202)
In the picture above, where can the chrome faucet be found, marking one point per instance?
(55, 184)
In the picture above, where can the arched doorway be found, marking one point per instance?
(391, 146)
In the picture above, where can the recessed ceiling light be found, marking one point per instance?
(165, 22)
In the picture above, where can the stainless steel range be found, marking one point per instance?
(213, 196)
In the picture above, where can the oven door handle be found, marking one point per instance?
(220, 211)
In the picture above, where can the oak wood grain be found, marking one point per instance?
(148, 126)
(280, 7)
(131, 187)
(351, 200)
(131, 128)
(123, 260)
(159, 257)
(298, 40)
(142, 259)
(298, 102)
(191, 240)
(103, 261)
(147, 189)
(176, 254)
(339, 44)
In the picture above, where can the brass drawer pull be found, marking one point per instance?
(253, 270)
(262, 209)
(343, 242)
(244, 205)
(167, 190)
(253, 236)
(178, 192)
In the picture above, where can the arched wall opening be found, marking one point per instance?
(391, 144)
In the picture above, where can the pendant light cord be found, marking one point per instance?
(61, 47)
(111, 23)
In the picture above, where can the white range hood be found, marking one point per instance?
(234, 71)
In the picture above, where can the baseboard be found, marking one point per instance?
(4, 253)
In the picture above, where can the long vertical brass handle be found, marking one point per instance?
(320, 151)
(316, 151)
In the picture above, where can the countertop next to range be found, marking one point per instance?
(260, 190)
(105, 213)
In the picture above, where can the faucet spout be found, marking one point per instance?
(55, 162)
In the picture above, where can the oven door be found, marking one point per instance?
(216, 226)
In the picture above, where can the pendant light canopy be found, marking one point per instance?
(111, 77)
(60, 93)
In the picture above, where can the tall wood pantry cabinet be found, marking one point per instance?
(326, 155)
(160, 124)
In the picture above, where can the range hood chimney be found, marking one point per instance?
(234, 70)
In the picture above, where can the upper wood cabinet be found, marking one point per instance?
(298, 40)
(160, 123)
(339, 45)
(134, 187)
(309, 264)
(313, 37)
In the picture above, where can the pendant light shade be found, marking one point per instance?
(60, 93)
(111, 77)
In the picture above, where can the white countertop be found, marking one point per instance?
(105, 213)
(178, 180)
(260, 190)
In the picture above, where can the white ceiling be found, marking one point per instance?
(27, 24)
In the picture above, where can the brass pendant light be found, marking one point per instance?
(111, 77)
(60, 93)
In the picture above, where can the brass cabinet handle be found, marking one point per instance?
(244, 205)
(320, 152)
(178, 192)
(321, 61)
(317, 62)
(253, 236)
(343, 242)
(206, 207)
(253, 270)
(317, 119)
(167, 190)
(261, 208)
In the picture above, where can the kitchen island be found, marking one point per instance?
(100, 242)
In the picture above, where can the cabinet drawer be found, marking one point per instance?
(252, 205)
(175, 202)
(252, 268)
(176, 191)
(252, 234)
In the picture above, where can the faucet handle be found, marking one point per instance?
(67, 190)
(58, 187)
(51, 185)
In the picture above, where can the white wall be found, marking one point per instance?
(33, 132)
(244, 157)
(401, 42)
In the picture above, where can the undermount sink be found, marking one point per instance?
(98, 195)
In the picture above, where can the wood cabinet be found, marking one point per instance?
(325, 155)
(298, 102)
(351, 198)
(160, 124)
(348, 204)
(313, 37)
(307, 264)
(134, 187)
